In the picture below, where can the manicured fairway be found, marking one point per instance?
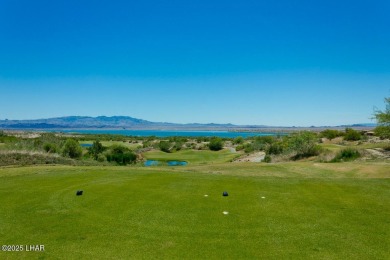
(286, 211)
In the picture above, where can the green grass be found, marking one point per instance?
(193, 156)
(310, 210)
(111, 143)
(373, 145)
(332, 147)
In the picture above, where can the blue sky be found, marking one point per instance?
(281, 62)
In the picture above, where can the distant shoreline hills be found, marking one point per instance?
(130, 123)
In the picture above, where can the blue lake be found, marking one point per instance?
(177, 163)
(86, 145)
(162, 133)
(169, 163)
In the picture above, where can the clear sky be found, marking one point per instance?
(280, 62)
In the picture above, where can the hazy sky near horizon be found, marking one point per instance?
(279, 63)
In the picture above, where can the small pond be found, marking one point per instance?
(86, 145)
(169, 163)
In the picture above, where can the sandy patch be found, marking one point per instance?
(379, 153)
(255, 157)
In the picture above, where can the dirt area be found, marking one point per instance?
(379, 153)
(232, 150)
(255, 157)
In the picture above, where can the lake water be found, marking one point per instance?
(162, 133)
(169, 163)
(86, 145)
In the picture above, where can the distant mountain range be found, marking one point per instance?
(130, 123)
(100, 122)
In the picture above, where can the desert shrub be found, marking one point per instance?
(7, 138)
(47, 142)
(147, 144)
(121, 155)
(265, 139)
(178, 139)
(72, 149)
(383, 132)
(240, 147)
(258, 146)
(101, 158)
(238, 140)
(249, 148)
(216, 144)
(383, 120)
(352, 135)
(331, 134)
(303, 145)
(348, 154)
(261, 143)
(96, 149)
(178, 145)
(165, 146)
(267, 159)
(313, 151)
(45, 138)
(36, 158)
(50, 148)
(276, 148)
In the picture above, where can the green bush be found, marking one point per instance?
(248, 148)
(383, 116)
(96, 149)
(303, 145)
(101, 158)
(216, 144)
(313, 151)
(238, 140)
(50, 148)
(8, 138)
(267, 159)
(165, 146)
(147, 144)
(121, 155)
(47, 142)
(352, 135)
(178, 145)
(265, 139)
(383, 132)
(261, 143)
(331, 134)
(72, 149)
(240, 147)
(345, 155)
(275, 148)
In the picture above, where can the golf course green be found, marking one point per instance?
(273, 211)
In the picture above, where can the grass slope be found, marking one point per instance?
(193, 156)
(143, 213)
